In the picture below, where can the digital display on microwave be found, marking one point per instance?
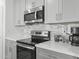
(29, 16)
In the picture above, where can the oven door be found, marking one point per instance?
(26, 52)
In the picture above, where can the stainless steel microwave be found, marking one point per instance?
(35, 17)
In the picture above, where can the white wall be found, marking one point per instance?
(0, 32)
(1, 28)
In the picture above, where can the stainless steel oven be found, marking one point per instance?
(26, 47)
(26, 51)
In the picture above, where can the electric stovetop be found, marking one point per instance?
(29, 41)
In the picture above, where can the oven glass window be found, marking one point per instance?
(23, 53)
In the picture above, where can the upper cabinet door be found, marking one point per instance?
(33, 4)
(59, 11)
(39, 3)
(22, 9)
(51, 10)
(70, 10)
(29, 4)
(19, 8)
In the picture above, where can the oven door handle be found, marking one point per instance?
(27, 46)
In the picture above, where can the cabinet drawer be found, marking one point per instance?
(54, 54)
(43, 56)
(46, 52)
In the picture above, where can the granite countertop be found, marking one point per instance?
(14, 37)
(53, 46)
(60, 47)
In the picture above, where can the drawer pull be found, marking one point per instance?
(52, 57)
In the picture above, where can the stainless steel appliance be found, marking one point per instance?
(75, 30)
(30, 17)
(36, 16)
(26, 47)
(74, 38)
(25, 51)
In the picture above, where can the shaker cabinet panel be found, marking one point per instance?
(70, 10)
(59, 11)
(16, 12)
(33, 3)
(10, 49)
(44, 53)
(42, 56)
(30, 4)
(39, 3)
(51, 9)
(19, 8)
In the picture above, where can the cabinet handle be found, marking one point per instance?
(59, 16)
(10, 49)
(52, 56)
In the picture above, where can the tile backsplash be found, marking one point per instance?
(55, 29)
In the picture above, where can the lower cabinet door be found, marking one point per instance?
(10, 49)
(43, 56)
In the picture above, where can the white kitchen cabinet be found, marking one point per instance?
(10, 49)
(9, 14)
(47, 54)
(39, 3)
(59, 11)
(33, 4)
(19, 8)
(29, 4)
(42, 56)
(51, 11)
(70, 10)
